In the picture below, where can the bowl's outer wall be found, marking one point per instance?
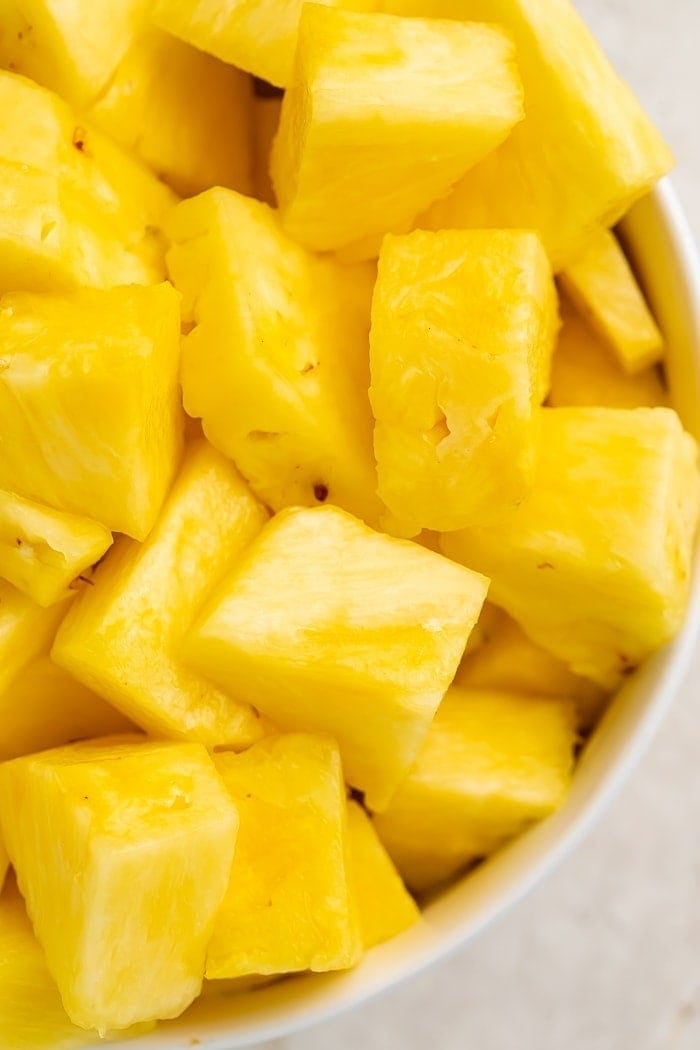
(661, 247)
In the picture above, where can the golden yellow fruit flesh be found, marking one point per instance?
(26, 631)
(327, 626)
(146, 831)
(290, 903)
(493, 763)
(463, 328)
(382, 116)
(123, 636)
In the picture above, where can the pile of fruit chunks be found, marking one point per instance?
(251, 685)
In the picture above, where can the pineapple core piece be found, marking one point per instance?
(184, 113)
(89, 400)
(43, 551)
(595, 564)
(585, 151)
(146, 832)
(382, 116)
(491, 765)
(276, 364)
(289, 905)
(123, 636)
(384, 905)
(601, 284)
(463, 328)
(75, 209)
(327, 626)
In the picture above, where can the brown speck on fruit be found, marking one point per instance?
(12, 66)
(310, 366)
(626, 665)
(262, 435)
(79, 139)
(545, 565)
(18, 542)
(248, 794)
(321, 492)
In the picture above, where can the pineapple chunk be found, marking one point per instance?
(383, 116)
(594, 566)
(277, 363)
(584, 372)
(384, 905)
(491, 765)
(74, 208)
(146, 833)
(463, 328)
(43, 551)
(184, 113)
(327, 626)
(585, 151)
(123, 636)
(266, 118)
(601, 284)
(26, 630)
(90, 403)
(289, 905)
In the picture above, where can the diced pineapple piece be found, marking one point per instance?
(585, 151)
(90, 403)
(70, 47)
(384, 905)
(602, 286)
(184, 113)
(382, 116)
(584, 372)
(43, 551)
(277, 362)
(74, 208)
(146, 832)
(290, 903)
(463, 328)
(266, 118)
(491, 765)
(327, 626)
(123, 636)
(26, 630)
(594, 565)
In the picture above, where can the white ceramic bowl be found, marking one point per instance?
(659, 242)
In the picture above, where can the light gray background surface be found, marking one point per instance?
(605, 955)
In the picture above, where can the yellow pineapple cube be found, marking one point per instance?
(585, 151)
(146, 831)
(602, 286)
(266, 118)
(491, 765)
(329, 627)
(43, 551)
(385, 907)
(26, 630)
(90, 403)
(584, 371)
(123, 636)
(382, 116)
(463, 328)
(184, 113)
(290, 903)
(595, 564)
(276, 364)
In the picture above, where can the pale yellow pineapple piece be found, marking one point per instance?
(327, 626)
(384, 905)
(492, 764)
(584, 371)
(266, 118)
(26, 630)
(184, 113)
(89, 401)
(43, 551)
(383, 115)
(463, 328)
(290, 900)
(595, 564)
(601, 284)
(276, 364)
(146, 831)
(123, 636)
(585, 151)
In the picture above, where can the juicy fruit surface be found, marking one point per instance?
(330, 627)
(123, 636)
(147, 830)
(382, 116)
(463, 327)
(289, 904)
(26, 630)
